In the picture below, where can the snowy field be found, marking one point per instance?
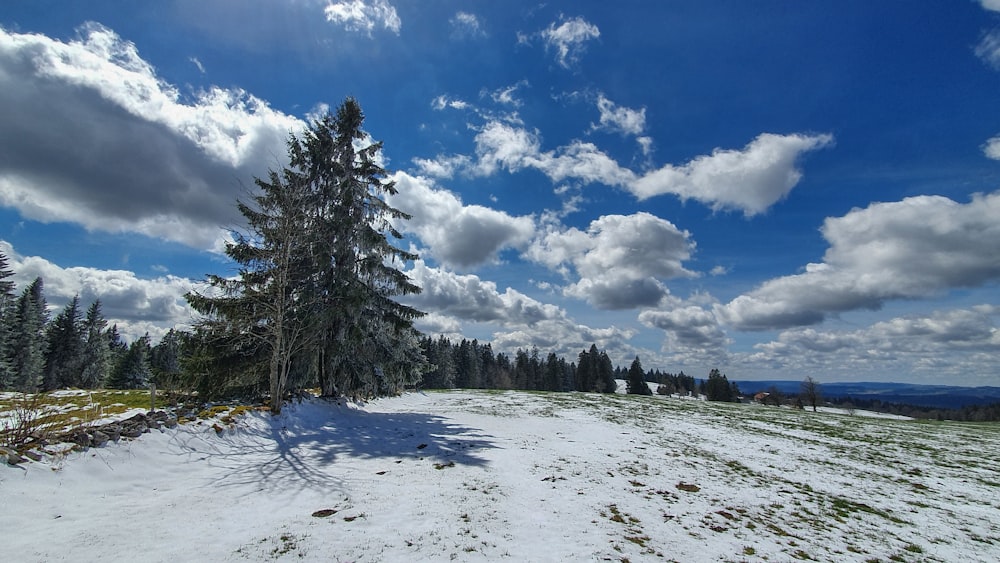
(483, 476)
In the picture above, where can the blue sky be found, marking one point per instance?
(775, 189)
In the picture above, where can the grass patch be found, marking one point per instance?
(844, 508)
(40, 414)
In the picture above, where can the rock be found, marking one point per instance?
(11, 457)
(113, 431)
(134, 429)
(33, 455)
(80, 438)
(99, 438)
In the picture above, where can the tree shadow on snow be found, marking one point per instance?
(316, 445)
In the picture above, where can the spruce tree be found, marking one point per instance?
(132, 372)
(64, 351)
(637, 379)
(96, 348)
(554, 367)
(356, 261)
(318, 273)
(588, 370)
(165, 359)
(717, 388)
(606, 373)
(8, 315)
(28, 338)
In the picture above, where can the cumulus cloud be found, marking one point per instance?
(364, 16)
(520, 320)
(443, 166)
(457, 234)
(465, 26)
(908, 249)
(467, 297)
(501, 145)
(620, 259)
(626, 121)
(134, 155)
(569, 39)
(959, 342)
(692, 333)
(567, 339)
(750, 180)
(136, 305)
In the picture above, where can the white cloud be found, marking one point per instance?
(569, 39)
(693, 333)
(581, 161)
(988, 49)
(909, 249)
(620, 259)
(626, 121)
(442, 166)
(567, 339)
(197, 64)
(465, 25)
(645, 145)
(362, 15)
(957, 343)
(500, 145)
(136, 305)
(468, 297)
(750, 180)
(507, 95)
(134, 155)
(441, 102)
(520, 321)
(992, 148)
(457, 234)
(992, 5)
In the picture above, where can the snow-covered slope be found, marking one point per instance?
(520, 476)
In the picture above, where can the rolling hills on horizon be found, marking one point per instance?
(937, 396)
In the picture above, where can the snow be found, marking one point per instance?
(480, 476)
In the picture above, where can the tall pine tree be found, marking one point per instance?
(64, 351)
(132, 372)
(8, 314)
(96, 348)
(357, 263)
(28, 344)
(318, 273)
(637, 379)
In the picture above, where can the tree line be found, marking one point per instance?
(82, 350)
(471, 365)
(968, 413)
(73, 349)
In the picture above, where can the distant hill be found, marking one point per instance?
(936, 396)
